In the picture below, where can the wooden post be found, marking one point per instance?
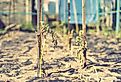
(10, 12)
(28, 9)
(68, 16)
(39, 38)
(14, 10)
(69, 30)
(84, 42)
(83, 18)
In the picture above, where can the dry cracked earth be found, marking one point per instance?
(18, 58)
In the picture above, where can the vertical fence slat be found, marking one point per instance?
(118, 16)
(97, 27)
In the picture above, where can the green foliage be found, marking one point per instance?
(27, 27)
(2, 31)
(59, 29)
(91, 31)
(119, 34)
(107, 33)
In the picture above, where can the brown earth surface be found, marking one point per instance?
(18, 59)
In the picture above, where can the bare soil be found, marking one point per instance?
(18, 59)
